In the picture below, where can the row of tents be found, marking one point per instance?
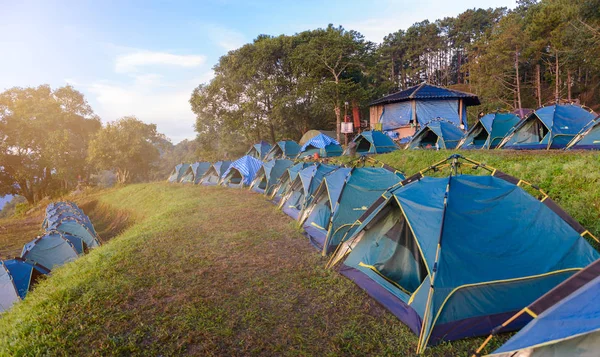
(558, 126)
(452, 257)
(69, 234)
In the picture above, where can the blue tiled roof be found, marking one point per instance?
(428, 91)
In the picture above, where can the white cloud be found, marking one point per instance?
(130, 62)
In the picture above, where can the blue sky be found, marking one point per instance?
(144, 58)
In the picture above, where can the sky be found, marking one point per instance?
(144, 58)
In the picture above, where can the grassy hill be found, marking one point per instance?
(215, 271)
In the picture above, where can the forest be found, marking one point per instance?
(280, 86)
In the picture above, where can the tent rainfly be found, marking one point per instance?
(17, 276)
(75, 227)
(285, 149)
(178, 172)
(50, 250)
(373, 142)
(241, 172)
(588, 138)
(454, 257)
(213, 175)
(286, 179)
(195, 172)
(302, 188)
(259, 150)
(550, 127)
(437, 134)
(321, 144)
(267, 176)
(563, 322)
(489, 131)
(312, 133)
(341, 198)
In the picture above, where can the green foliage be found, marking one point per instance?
(44, 135)
(127, 146)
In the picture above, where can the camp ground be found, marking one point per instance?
(268, 175)
(321, 145)
(285, 149)
(588, 138)
(436, 243)
(241, 172)
(17, 276)
(373, 142)
(550, 127)
(301, 189)
(286, 179)
(213, 175)
(195, 172)
(438, 134)
(489, 131)
(563, 322)
(341, 198)
(178, 172)
(259, 150)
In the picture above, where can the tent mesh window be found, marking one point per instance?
(395, 254)
(533, 132)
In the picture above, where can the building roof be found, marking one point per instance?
(428, 91)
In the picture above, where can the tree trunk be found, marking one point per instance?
(518, 82)
(557, 84)
(338, 122)
(569, 84)
(458, 66)
(538, 84)
(272, 132)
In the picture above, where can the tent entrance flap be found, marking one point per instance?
(393, 253)
(363, 146)
(429, 140)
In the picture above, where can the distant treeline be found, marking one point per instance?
(278, 87)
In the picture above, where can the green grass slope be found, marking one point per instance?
(202, 271)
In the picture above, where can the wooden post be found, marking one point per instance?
(460, 110)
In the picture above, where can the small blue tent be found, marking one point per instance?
(588, 138)
(241, 172)
(17, 276)
(551, 127)
(373, 142)
(50, 250)
(213, 175)
(489, 131)
(321, 144)
(268, 175)
(453, 257)
(259, 150)
(178, 172)
(341, 198)
(285, 181)
(302, 188)
(195, 172)
(438, 134)
(75, 227)
(285, 149)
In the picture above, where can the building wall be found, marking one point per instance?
(375, 112)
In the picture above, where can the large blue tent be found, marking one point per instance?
(489, 131)
(453, 257)
(341, 198)
(420, 104)
(213, 175)
(50, 250)
(17, 276)
(321, 144)
(373, 142)
(301, 189)
(563, 322)
(241, 172)
(588, 138)
(268, 175)
(285, 149)
(438, 134)
(551, 127)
